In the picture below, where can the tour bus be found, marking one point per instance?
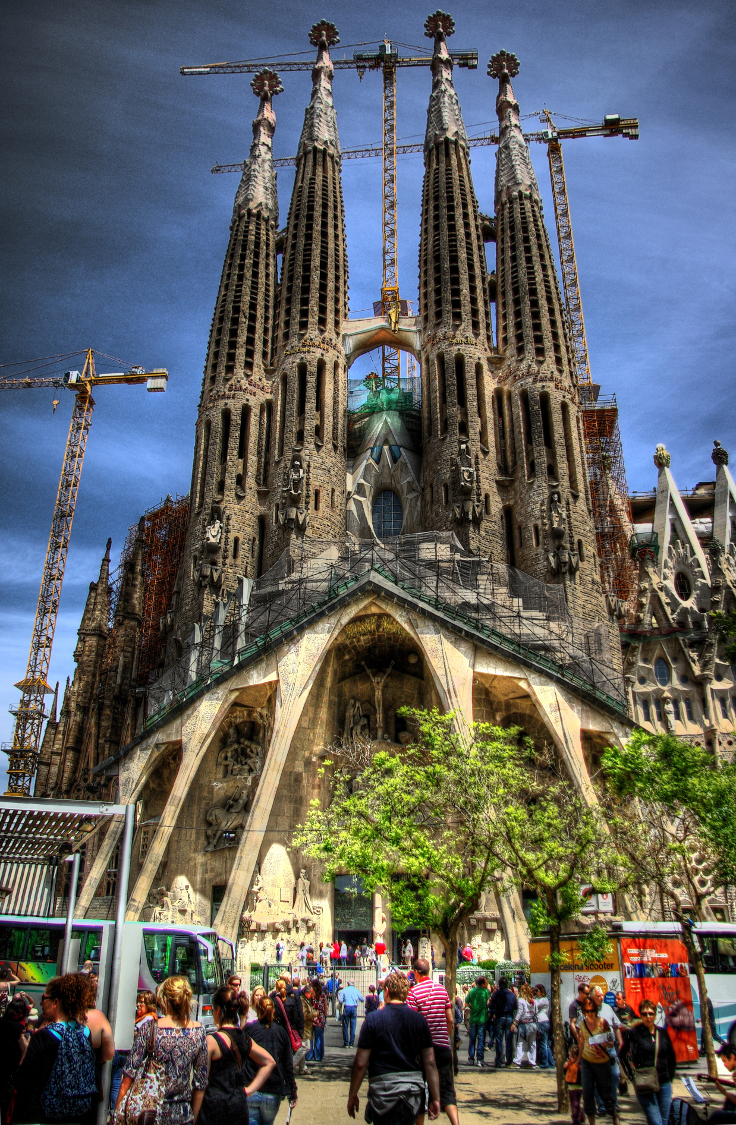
(33, 947)
(649, 959)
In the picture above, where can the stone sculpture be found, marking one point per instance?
(357, 724)
(227, 820)
(378, 682)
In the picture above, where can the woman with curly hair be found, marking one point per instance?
(38, 1084)
(181, 1045)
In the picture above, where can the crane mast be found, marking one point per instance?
(30, 712)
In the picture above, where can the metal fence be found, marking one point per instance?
(490, 600)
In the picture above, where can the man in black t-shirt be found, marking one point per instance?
(395, 1047)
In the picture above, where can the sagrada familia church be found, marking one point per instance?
(432, 545)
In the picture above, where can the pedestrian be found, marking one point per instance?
(623, 1016)
(228, 1090)
(502, 1008)
(56, 1079)
(7, 977)
(280, 947)
(13, 1046)
(181, 1046)
(477, 1004)
(350, 997)
(343, 954)
(408, 952)
(255, 996)
(526, 1025)
(468, 954)
(302, 956)
(289, 1014)
(263, 1106)
(605, 1010)
(649, 1049)
(236, 981)
(317, 1050)
(371, 1000)
(713, 1026)
(574, 1087)
(433, 1001)
(594, 1036)
(395, 1048)
(145, 1011)
(306, 997)
(545, 1058)
(576, 1005)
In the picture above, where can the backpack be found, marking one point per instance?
(71, 1085)
(682, 1113)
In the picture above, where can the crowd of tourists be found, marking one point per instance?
(241, 1070)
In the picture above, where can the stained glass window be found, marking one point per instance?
(388, 515)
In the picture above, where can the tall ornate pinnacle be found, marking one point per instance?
(320, 119)
(514, 169)
(257, 190)
(444, 119)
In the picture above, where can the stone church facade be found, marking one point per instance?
(429, 551)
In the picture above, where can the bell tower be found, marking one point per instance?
(547, 515)
(227, 521)
(308, 460)
(460, 492)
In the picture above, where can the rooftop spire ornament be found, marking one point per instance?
(503, 62)
(266, 82)
(439, 23)
(324, 30)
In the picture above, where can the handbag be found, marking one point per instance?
(646, 1079)
(141, 1103)
(294, 1036)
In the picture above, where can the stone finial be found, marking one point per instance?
(514, 169)
(444, 117)
(719, 456)
(257, 190)
(320, 120)
(661, 457)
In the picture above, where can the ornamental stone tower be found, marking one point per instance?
(227, 522)
(547, 515)
(460, 492)
(307, 480)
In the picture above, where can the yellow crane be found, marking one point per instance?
(30, 712)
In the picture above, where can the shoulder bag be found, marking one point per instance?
(646, 1079)
(294, 1036)
(141, 1104)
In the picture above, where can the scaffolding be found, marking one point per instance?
(609, 493)
(164, 533)
(493, 604)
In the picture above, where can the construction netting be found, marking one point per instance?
(492, 601)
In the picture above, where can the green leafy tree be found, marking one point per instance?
(673, 813)
(724, 625)
(414, 824)
(457, 813)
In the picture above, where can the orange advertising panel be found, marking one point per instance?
(657, 969)
(539, 952)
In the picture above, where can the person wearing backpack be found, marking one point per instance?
(56, 1080)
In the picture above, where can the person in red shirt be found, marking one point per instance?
(435, 1005)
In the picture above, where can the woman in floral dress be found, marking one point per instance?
(181, 1045)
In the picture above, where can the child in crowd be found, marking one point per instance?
(574, 1084)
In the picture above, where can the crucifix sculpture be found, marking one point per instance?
(378, 682)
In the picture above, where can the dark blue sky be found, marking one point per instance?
(115, 231)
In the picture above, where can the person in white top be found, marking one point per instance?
(526, 1024)
(545, 1058)
(408, 953)
(343, 954)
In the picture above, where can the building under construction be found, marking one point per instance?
(455, 538)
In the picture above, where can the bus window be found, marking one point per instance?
(89, 945)
(726, 955)
(158, 952)
(212, 976)
(12, 942)
(43, 944)
(186, 955)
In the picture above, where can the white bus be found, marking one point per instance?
(33, 948)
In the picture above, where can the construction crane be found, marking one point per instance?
(30, 712)
(386, 59)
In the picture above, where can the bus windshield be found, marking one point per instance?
(179, 953)
(212, 976)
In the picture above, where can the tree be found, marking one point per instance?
(457, 813)
(551, 840)
(673, 813)
(414, 824)
(724, 626)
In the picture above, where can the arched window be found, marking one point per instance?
(388, 515)
(662, 671)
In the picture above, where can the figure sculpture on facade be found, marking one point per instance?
(163, 910)
(228, 820)
(213, 530)
(378, 682)
(240, 756)
(357, 725)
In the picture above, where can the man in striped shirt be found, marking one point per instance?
(435, 1005)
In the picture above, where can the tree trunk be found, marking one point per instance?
(696, 961)
(563, 1098)
(450, 946)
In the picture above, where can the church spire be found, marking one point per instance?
(257, 190)
(444, 118)
(320, 120)
(514, 169)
